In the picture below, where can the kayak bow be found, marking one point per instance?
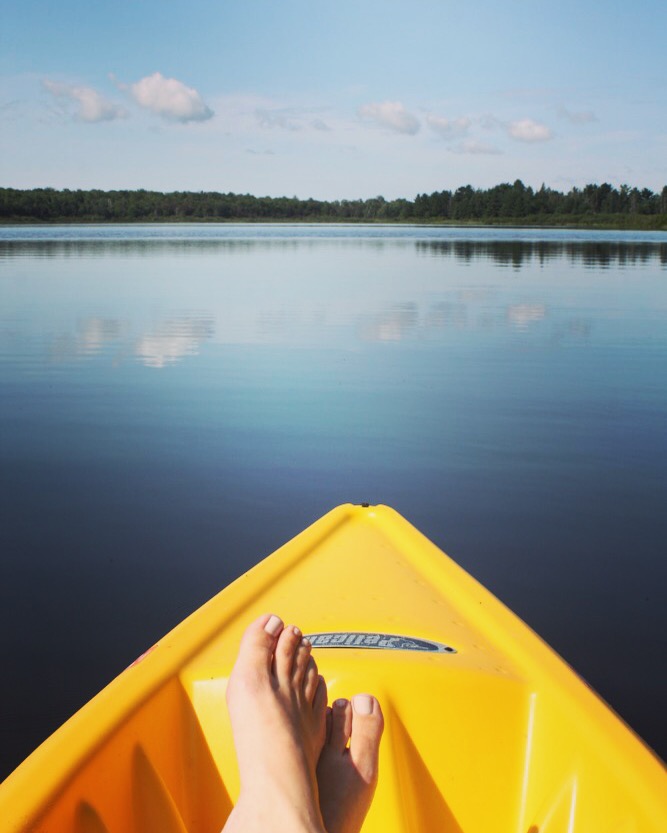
(486, 728)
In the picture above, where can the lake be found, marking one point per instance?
(178, 401)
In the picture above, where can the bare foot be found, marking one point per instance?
(347, 776)
(277, 704)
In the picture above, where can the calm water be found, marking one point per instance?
(177, 401)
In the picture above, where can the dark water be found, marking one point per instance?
(176, 402)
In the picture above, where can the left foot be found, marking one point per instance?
(277, 705)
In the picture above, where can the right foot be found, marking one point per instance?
(277, 705)
(347, 774)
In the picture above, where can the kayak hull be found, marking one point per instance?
(486, 728)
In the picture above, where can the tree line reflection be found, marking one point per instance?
(519, 253)
(514, 253)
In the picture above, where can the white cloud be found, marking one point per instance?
(91, 106)
(448, 128)
(392, 115)
(170, 99)
(527, 130)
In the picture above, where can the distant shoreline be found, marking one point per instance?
(612, 223)
(506, 205)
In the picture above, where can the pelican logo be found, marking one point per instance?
(379, 641)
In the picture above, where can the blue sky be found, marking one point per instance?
(332, 100)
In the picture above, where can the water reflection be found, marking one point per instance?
(173, 340)
(293, 323)
(182, 336)
(167, 342)
(165, 247)
(394, 324)
(507, 253)
(521, 316)
(92, 336)
(409, 321)
(521, 253)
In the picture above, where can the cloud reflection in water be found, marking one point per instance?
(521, 316)
(164, 344)
(173, 340)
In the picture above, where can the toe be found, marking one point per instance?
(367, 726)
(341, 724)
(253, 664)
(259, 641)
(320, 698)
(301, 662)
(311, 680)
(286, 650)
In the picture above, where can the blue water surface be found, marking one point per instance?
(179, 400)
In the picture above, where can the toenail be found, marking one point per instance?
(296, 631)
(341, 703)
(362, 703)
(274, 625)
(306, 642)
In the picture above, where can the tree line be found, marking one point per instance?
(592, 204)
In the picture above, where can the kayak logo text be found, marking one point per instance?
(383, 641)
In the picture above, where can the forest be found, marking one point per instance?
(600, 206)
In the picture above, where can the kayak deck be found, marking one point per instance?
(486, 731)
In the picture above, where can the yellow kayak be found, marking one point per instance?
(486, 729)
